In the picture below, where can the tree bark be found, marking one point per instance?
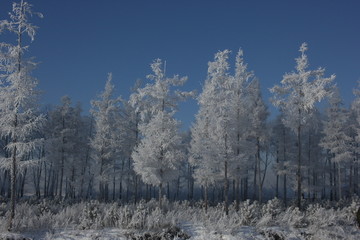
(206, 197)
(13, 189)
(160, 193)
(258, 169)
(298, 172)
(339, 181)
(226, 189)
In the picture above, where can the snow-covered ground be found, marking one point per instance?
(181, 220)
(195, 232)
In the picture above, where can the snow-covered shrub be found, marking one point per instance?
(112, 216)
(25, 217)
(319, 217)
(157, 220)
(269, 212)
(352, 212)
(226, 224)
(292, 217)
(125, 215)
(273, 207)
(138, 219)
(90, 215)
(68, 216)
(3, 209)
(45, 206)
(250, 213)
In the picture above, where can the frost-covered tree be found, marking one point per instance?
(211, 148)
(258, 115)
(336, 139)
(285, 149)
(355, 134)
(296, 97)
(107, 139)
(314, 158)
(19, 120)
(130, 120)
(63, 126)
(202, 153)
(157, 158)
(240, 107)
(220, 146)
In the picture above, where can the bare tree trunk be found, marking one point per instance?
(160, 197)
(22, 186)
(266, 164)
(331, 181)
(315, 180)
(277, 175)
(339, 181)
(206, 197)
(226, 189)
(351, 184)
(356, 176)
(114, 185)
(335, 182)
(246, 188)
(309, 164)
(136, 189)
(255, 180)
(237, 193)
(61, 172)
(4, 183)
(13, 187)
(298, 172)
(45, 181)
(258, 169)
(284, 162)
(177, 194)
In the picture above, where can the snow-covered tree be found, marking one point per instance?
(240, 107)
(19, 120)
(296, 97)
(336, 139)
(258, 115)
(157, 158)
(106, 142)
(314, 157)
(285, 149)
(211, 147)
(130, 118)
(355, 134)
(202, 153)
(62, 142)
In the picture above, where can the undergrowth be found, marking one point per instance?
(317, 220)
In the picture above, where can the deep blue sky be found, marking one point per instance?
(80, 41)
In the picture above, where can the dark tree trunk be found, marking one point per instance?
(298, 172)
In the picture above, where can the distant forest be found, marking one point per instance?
(132, 149)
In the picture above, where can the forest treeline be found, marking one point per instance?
(132, 149)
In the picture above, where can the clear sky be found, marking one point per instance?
(80, 41)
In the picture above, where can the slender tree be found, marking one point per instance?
(335, 139)
(19, 120)
(157, 158)
(296, 97)
(106, 142)
(203, 152)
(240, 108)
(355, 119)
(258, 117)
